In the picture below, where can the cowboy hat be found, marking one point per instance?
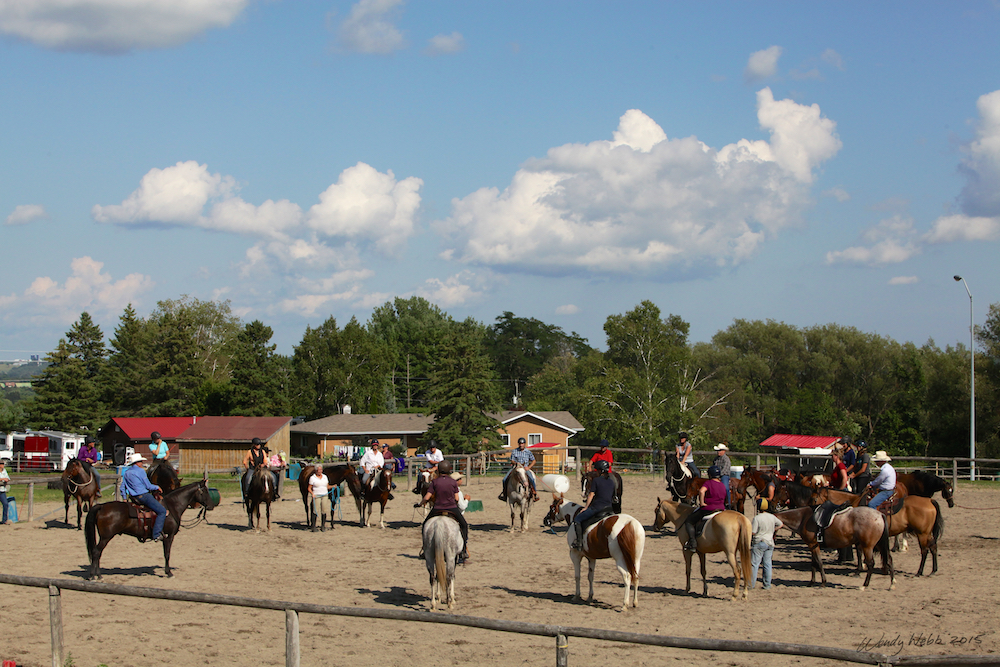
(881, 455)
(135, 458)
(457, 476)
(721, 446)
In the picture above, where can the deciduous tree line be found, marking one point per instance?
(753, 379)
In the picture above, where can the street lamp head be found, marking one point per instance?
(957, 278)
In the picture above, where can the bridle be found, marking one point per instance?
(79, 485)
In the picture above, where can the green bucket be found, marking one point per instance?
(475, 506)
(214, 495)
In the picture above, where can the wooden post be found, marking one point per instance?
(292, 650)
(663, 461)
(31, 500)
(55, 626)
(468, 470)
(758, 462)
(562, 650)
(954, 473)
(409, 474)
(579, 465)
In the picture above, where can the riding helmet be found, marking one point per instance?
(155, 435)
(602, 466)
(257, 441)
(714, 472)
(520, 441)
(682, 436)
(444, 468)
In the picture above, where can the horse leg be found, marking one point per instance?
(627, 578)
(511, 516)
(167, 541)
(687, 565)
(576, 558)
(381, 520)
(731, 555)
(269, 517)
(704, 577)
(79, 513)
(66, 500)
(591, 566)
(95, 558)
(817, 565)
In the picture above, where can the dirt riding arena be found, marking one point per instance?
(525, 577)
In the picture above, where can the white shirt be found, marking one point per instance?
(319, 484)
(886, 479)
(434, 456)
(372, 460)
(4, 480)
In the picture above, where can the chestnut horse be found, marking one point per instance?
(616, 501)
(78, 480)
(727, 531)
(862, 528)
(618, 536)
(378, 490)
(336, 473)
(109, 519)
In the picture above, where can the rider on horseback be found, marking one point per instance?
(712, 498)
(256, 458)
(525, 458)
(159, 448)
(371, 463)
(137, 486)
(88, 455)
(445, 493)
(600, 498)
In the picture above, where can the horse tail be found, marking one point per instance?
(440, 569)
(883, 542)
(90, 529)
(631, 542)
(938, 529)
(743, 546)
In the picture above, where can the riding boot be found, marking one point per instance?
(691, 545)
(502, 497)
(324, 524)
(315, 523)
(391, 497)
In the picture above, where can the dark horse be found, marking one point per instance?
(260, 490)
(109, 519)
(163, 475)
(678, 483)
(78, 480)
(336, 473)
(616, 501)
(378, 490)
(926, 484)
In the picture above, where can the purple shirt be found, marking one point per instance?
(715, 495)
(87, 453)
(444, 490)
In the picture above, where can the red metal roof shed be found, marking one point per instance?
(800, 441)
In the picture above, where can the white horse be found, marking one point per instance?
(518, 490)
(618, 536)
(442, 544)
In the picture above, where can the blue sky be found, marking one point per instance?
(803, 162)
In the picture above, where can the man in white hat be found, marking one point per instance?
(136, 485)
(885, 481)
(725, 467)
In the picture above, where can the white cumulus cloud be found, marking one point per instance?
(762, 64)
(904, 280)
(25, 213)
(445, 44)
(981, 166)
(370, 28)
(643, 203)
(114, 26)
(567, 309)
(892, 241)
(958, 227)
(453, 291)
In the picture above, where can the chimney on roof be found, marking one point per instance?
(194, 420)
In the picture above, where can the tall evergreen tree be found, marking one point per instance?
(255, 386)
(464, 391)
(128, 367)
(65, 398)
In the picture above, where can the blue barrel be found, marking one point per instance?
(12, 510)
(294, 471)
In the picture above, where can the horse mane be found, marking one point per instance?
(931, 482)
(799, 494)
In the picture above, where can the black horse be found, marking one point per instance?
(677, 481)
(161, 473)
(336, 473)
(109, 519)
(616, 501)
(260, 490)
(926, 484)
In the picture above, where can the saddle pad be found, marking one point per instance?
(825, 513)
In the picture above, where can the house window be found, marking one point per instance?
(506, 439)
(534, 438)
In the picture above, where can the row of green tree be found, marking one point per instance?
(753, 379)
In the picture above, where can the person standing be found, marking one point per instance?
(862, 472)
(4, 488)
(319, 498)
(885, 482)
(88, 455)
(137, 486)
(839, 479)
(685, 454)
(603, 454)
(725, 467)
(161, 452)
(848, 454)
(762, 545)
(526, 459)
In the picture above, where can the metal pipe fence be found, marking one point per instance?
(560, 633)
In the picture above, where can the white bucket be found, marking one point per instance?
(553, 483)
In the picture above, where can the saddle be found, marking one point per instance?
(824, 515)
(144, 517)
(700, 527)
(892, 505)
(603, 514)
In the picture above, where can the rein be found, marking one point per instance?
(79, 485)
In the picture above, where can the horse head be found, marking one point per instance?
(948, 493)
(553, 515)
(661, 519)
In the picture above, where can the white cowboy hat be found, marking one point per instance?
(721, 446)
(881, 455)
(135, 458)
(457, 476)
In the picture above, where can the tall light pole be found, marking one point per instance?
(972, 384)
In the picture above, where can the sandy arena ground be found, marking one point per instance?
(525, 577)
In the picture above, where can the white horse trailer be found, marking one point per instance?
(63, 447)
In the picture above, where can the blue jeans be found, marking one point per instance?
(880, 498)
(4, 502)
(761, 552)
(725, 483)
(152, 503)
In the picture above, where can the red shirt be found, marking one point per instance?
(840, 476)
(603, 456)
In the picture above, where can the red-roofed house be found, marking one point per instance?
(222, 442)
(123, 432)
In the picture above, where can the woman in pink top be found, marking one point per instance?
(712, 498)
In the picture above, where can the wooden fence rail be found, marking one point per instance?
(558, 632)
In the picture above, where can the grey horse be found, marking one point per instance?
(442, 544)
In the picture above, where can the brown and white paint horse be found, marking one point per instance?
(618, 536)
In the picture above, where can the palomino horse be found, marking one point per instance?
(442, 540)
(260, 490)
(518, 490)
(336, 473)
(109, 519)
(79, 481)
(163, 475)
(378, 490)
(860, 527)
(618, 536)
(727, 531)
(616, 502)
